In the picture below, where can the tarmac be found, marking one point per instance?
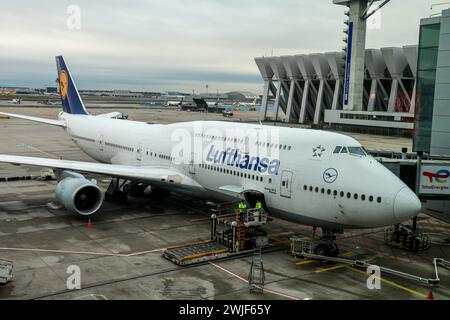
(120, 255)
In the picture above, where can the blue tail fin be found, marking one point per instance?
(71, 100)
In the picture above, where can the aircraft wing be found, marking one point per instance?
(36, 119)
(155, 175)
(111, 115)
(237, 189)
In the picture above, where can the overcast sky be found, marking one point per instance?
(165, 45)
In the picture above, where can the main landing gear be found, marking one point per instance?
(119, 192)
(325, 245)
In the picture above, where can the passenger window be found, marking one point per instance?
(337, 149)
(370, 198)
(305, 187)
(355, 196)
(335, 193)
(349, 195)
(379, 199)
(328, 191)
(342, 194)
(363, 197)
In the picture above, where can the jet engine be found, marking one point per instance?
(78, 194)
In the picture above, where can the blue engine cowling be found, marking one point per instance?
(77, 194)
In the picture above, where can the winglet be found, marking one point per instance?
(71, 100)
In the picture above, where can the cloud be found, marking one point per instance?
(178, 44)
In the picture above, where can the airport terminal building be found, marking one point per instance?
(432, 118)
(404, 88)
(310, 88)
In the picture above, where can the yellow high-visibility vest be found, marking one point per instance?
(258, 205)
(242, 206)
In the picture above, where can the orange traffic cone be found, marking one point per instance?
(430, 295)
(89, 224)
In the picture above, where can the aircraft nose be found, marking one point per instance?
(406, 204)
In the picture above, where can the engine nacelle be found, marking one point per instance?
(77, 194)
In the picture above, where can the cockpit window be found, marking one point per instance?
(355, 151)
(358, 151)
(337, 149)
(367, 152)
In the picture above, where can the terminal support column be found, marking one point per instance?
(357, 65)
(263, 111)
(290, 100)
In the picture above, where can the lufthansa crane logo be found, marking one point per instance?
(330, 175)
(63, 84)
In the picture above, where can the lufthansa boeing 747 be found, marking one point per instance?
(310, 177)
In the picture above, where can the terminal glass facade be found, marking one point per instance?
(426, 83)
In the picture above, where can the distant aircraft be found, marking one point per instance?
(310, 177)
(54, 94)
(16, 101)
(174, 103)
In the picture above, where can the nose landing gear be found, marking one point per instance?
(325, 245)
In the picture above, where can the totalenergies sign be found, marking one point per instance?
(435, 179)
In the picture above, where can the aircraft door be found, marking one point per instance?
(139, 152)
(286, 184)
(192, 164)
(101, 142)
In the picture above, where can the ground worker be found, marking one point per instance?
(242, 209)
(258, 207)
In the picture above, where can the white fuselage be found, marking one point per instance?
(303, 181)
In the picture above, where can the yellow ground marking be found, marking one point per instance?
(338, 266)
(44, 152)
(349, 253)
(391, 283)
(279, 241)
(200, 219)
(341, 265)
(280, 234)
(306, 262)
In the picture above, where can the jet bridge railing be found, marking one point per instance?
(255, 217)
(303, 248)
